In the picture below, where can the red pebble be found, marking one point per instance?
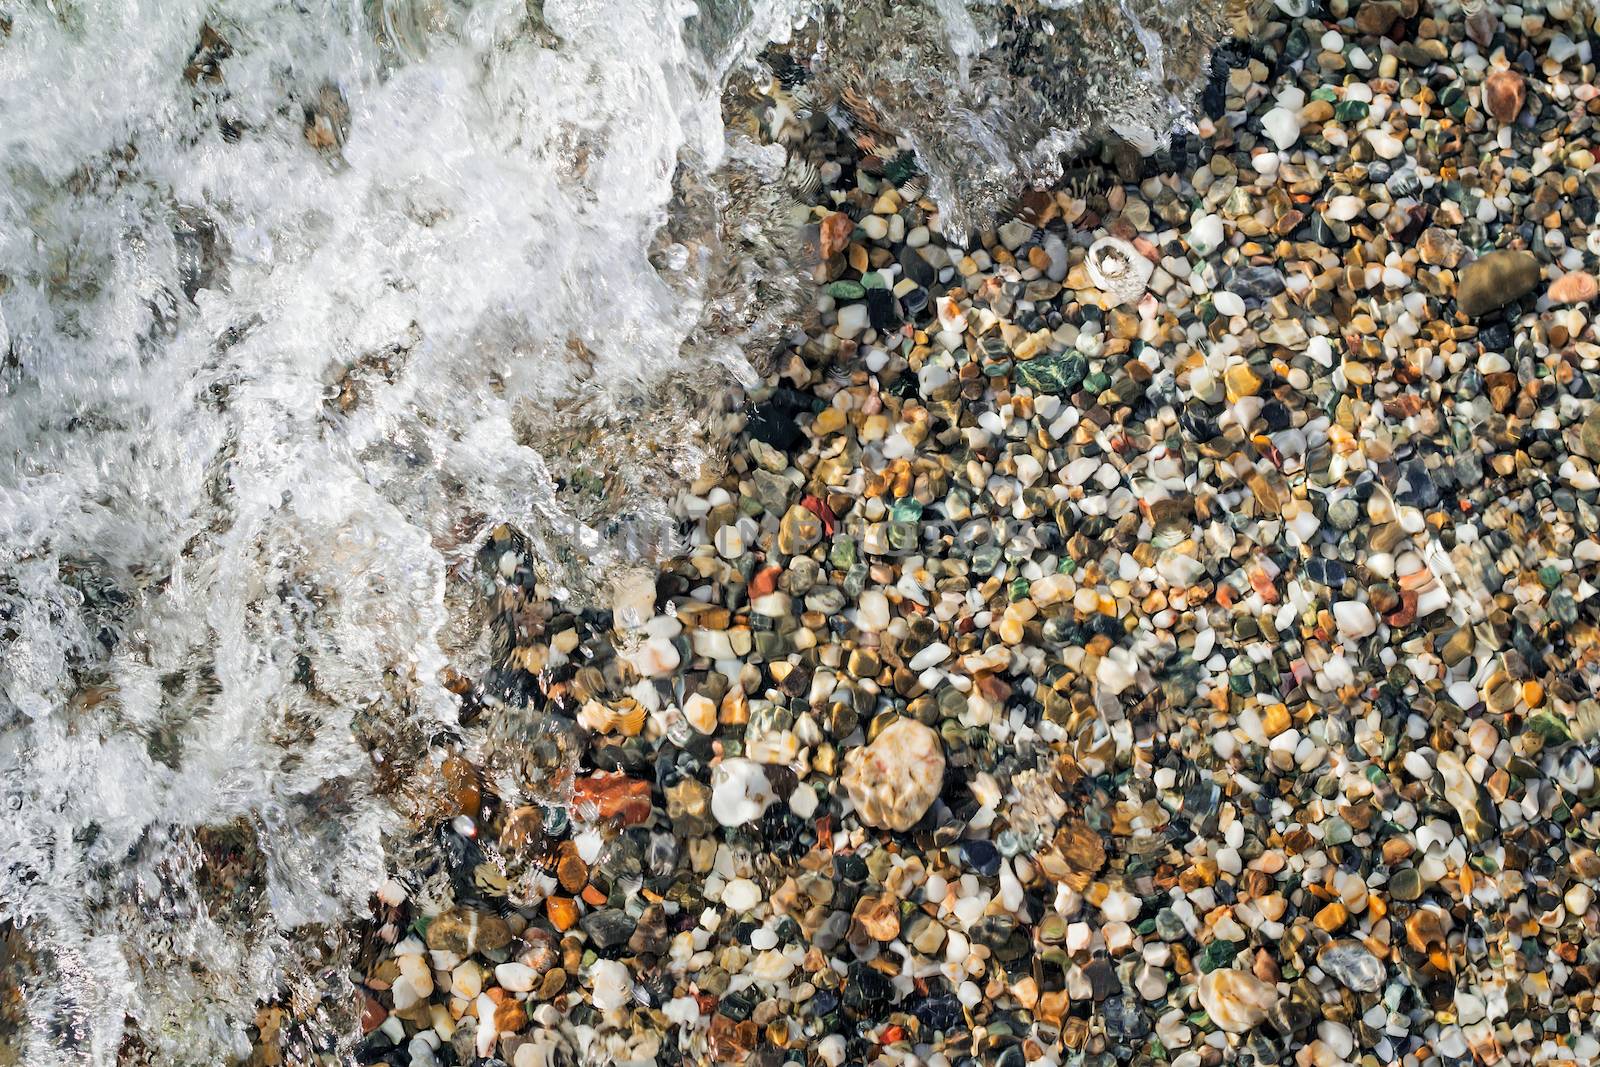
(614, 796)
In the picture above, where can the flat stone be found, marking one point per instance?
(1495, 280)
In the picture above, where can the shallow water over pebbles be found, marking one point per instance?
(297, 302)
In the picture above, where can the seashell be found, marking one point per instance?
(1236, 1000)
(490, 879)
(894, 780)
(1118, 269)
(915, 188)
(626, 718)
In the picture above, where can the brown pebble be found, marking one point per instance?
(835, 233)
(553, 982)
(1504, 93)
(563, 912)
(1376, 18)
(509, 1014)
(1331, 917)
(1425, 928)
(879, 916)
(571, 871)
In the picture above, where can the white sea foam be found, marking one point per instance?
(191, 524)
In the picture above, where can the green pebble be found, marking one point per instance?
(843, 554)
(902, 536)
(1547, 726)
(906, 509)
(855, 580)
(1054, 373)
(985, 558)
(1217, 954)
(846, 290)
(1405, 884)
(1351, 110)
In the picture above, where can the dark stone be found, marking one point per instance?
(866, 991)
(941, 1012)
(1201, 799)
(774, 425)
(982, 857)
(1275, 415)
(1124, 1020)
(1103, 981)
(1325, 571)
(737, 1006)
(881, 311)
(608, 927)
(916, 268)
(832, 930)
(1495, 337)
(1417, 488)
(915, 302)
(1061, 373)
(1323, 232)
(1256, 284)
(1197, 424)
(1004, 938)
(825, 1003)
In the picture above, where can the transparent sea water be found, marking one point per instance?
(298, 301)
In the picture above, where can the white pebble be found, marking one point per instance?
(1354, 618)
(1345, 208)
(1227, 303)
(613, 985)
(929, 656)
(1206, 235)
(1282, 126)
(741, 894)
(872, 611)
(1029, 470)
(852, 320)
(740, 792)
(1386, 144)
(515, 977)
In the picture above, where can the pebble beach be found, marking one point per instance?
(1158, 629)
